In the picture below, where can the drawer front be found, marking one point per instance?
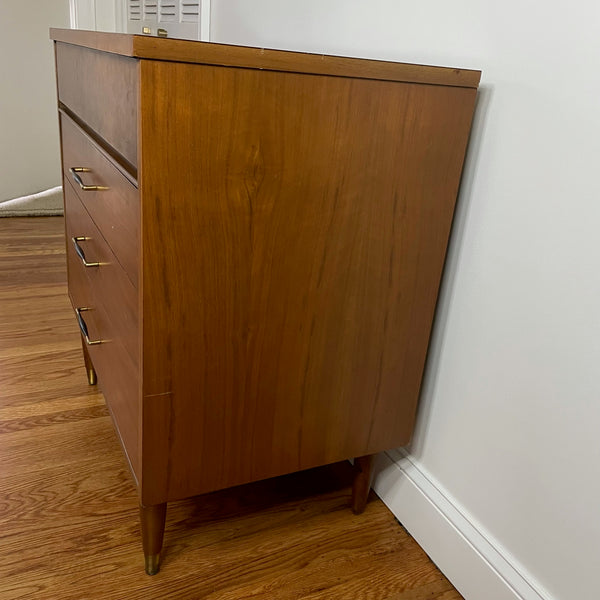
(102, 90)
(106, 284)
(118, 379)
(115, 209)
(110, 318)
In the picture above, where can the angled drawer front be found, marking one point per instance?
(107, 281)
(115, 207)
(110, 317)
(102, 90)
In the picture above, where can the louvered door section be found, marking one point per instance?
(134, 11)
(169, 18)
(150, 10)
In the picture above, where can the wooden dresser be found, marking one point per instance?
(255, 244)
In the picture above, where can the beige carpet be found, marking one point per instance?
(46, 203)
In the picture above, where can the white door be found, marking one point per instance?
(98, 15)
(186, 19)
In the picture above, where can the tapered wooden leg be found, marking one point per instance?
(153, 529)
(361, 485)
(89, 367)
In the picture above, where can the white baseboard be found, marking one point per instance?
(476, 567)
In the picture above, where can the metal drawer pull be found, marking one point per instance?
(80, 252)
(84, 329)
(86, 188)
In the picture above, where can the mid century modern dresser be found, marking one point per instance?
(255, 242)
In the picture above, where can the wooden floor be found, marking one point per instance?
(68, 507)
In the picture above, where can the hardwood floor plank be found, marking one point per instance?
(40, 408)
(56, 445)
(63, 367)
(69, 508)
(52, 418)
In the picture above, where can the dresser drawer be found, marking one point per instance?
(105, 285)
(118, 378)
(102, 90)
(110, 317)
(115, 210)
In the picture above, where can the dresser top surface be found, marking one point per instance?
(149, 47)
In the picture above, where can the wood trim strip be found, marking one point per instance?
(117, 43)
(176, 50)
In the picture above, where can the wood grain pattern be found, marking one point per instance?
(298, 254)
(68, 506)
(112, 318)
(106, 285)
(23, 256)
(102, 90)
(295, 213)
(259, 58)
(117, 43)
(116, 210)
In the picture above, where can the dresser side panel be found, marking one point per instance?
(294, 234)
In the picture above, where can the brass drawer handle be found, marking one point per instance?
(84, 329)
(86, 188)
(80, 252)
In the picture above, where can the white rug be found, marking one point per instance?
(46, 203)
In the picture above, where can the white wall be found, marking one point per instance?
(29, 145)
(510, 413)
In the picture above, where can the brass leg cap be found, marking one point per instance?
(92, 378)
(152, 564)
